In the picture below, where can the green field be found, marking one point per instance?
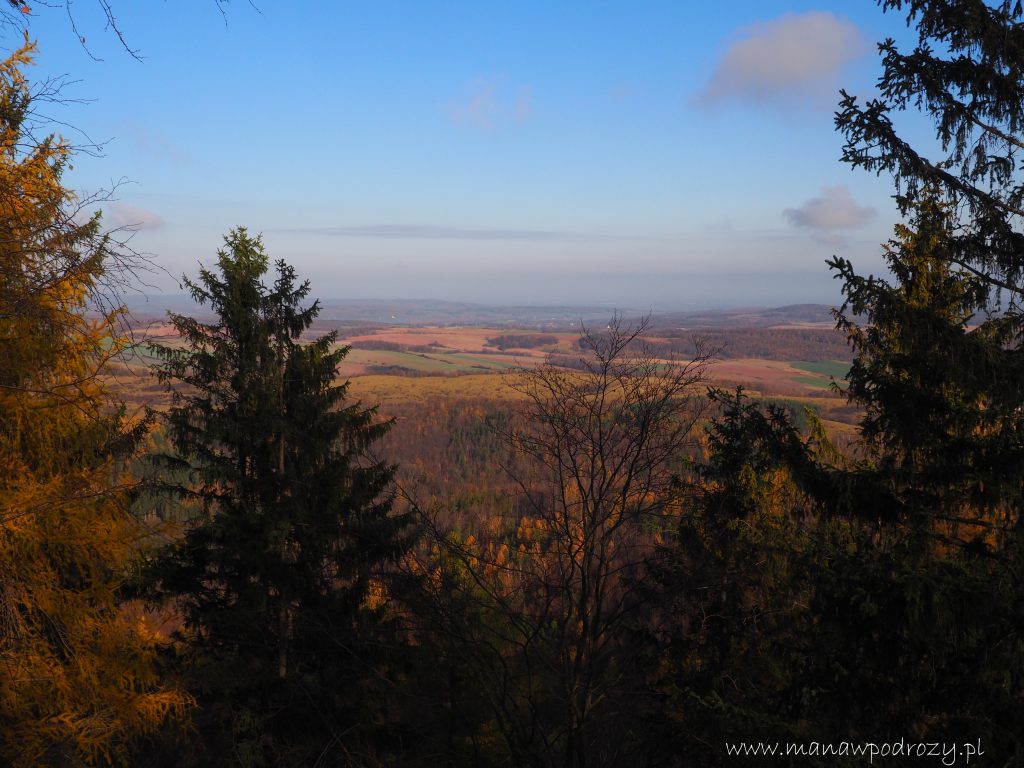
(825, 371)
(435, 362)
(478, 361)
(824, 368)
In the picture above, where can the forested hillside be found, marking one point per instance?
(601, 558)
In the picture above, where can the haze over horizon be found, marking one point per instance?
(664, 157)
(702, 292)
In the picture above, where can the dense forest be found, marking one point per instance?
(618, 566)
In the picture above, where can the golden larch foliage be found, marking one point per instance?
(77, 675)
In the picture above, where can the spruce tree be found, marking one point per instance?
(918, 613)
(278, 573)
(918, 616)
(905, 619)
(939, 363)
(921, 614)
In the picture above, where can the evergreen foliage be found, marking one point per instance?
(604, 604)
(892, 609)
(922, 613)
(279, 575)
(966, 74)
(738, 579)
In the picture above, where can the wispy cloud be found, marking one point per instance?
(485, 105)
(121, 216)
(522, 108)
(428, 232)
(620, 92)
(151, 142)
(791, 59)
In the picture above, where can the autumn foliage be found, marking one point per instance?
(77, 681)
(612, 566)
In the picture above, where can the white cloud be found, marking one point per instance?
(785, 60)
(830, 213)
(121, 216)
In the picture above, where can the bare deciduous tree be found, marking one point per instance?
(541, 614)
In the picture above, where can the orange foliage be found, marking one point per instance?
(77, 679)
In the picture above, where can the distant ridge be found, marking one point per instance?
(400, 312)
(791, 314)
(343, 312)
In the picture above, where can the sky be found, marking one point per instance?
(658, 155)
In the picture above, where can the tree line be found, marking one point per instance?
(669, 568)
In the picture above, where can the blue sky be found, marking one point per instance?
(649, 155)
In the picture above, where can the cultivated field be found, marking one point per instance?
(408, 364)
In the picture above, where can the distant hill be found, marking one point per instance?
(403, 312)
(344, 312)
(758, 317)
(434, 312)
(794, 332)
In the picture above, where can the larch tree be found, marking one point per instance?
(280, 576)
(77, 679)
